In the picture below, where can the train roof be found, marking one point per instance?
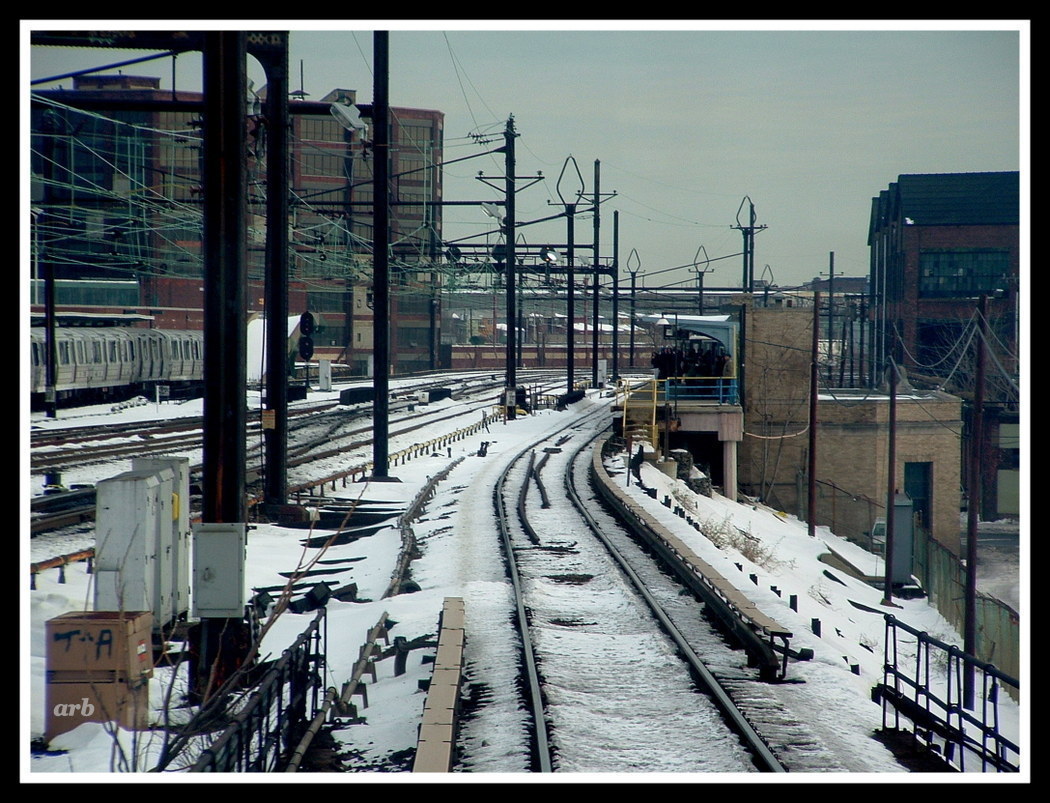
(92, 318)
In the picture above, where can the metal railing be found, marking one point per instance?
(951, 698)
(640, 401)
(714, 389)
(943, 576)
(278, 712)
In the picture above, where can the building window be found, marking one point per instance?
(418, 135)
(322, 163)
(962, 272)
(412, 337)
(320, 129)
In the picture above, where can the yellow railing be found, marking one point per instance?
(645, 394)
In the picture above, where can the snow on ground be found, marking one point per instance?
(460, 557)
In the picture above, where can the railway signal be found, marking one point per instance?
(306, 329)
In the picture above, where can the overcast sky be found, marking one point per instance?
(689, 123)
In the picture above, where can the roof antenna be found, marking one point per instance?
(300, 93)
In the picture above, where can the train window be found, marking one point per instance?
(35, 352)
(80, 352)
(96, 352)
(63, 353)
(112, 352)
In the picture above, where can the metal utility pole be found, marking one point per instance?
(615, 366)
(221, 641)
(811, 504)
(700, 278)
(512, 317)
(632, 258)
(570, 274)
(275, 431)
(747, 282)
(973, 504)
(634, 278)
(570, 281)
(891, 482)
(831, 311)
(50, 131)
(381, 255)
(596, 261)
(225, 285)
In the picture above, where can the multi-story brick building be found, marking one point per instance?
(938, 243)
(117, 200)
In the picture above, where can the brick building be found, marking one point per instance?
(117, 200)
(852, 440)
(938, 243)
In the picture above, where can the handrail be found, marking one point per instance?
(946, 716)
(259, 734)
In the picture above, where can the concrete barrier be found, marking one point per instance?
(436, 746)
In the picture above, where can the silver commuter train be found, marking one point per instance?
(114, 362)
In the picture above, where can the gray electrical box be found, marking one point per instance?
(176, 563)
(133, 513)
(219, 554)
(900, 562)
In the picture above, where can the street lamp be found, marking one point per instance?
(348, 117)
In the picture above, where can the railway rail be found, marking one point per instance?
(634, 671)
(318, 432)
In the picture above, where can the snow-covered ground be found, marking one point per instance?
(460, 557)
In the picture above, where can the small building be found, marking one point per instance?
(939, 242)
(852, 438)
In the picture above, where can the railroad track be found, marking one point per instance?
(659, 660)
(69, 448)
(319, 433)
(567, 588)
(631, 671)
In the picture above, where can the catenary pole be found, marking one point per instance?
(381, 256)
(811, 504)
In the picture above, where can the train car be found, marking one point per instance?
(101, 364)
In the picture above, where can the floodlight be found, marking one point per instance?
(347, 116)
(492, 211)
